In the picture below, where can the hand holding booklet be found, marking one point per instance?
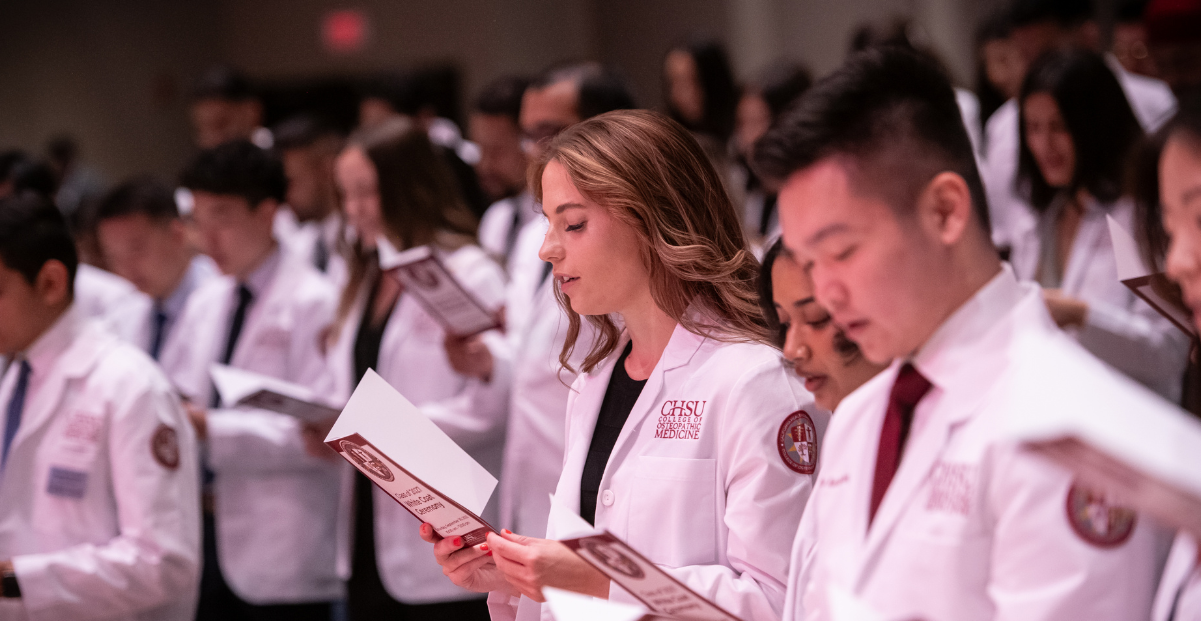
(389, 440)
(425, 276)
(664, 596)
(238, 387)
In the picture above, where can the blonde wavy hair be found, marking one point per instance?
(653, 175)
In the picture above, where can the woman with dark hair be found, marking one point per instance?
(831, 365)
(763, 100)
(686, 437)
(396, 187)
(1078, 134)
(701, 92)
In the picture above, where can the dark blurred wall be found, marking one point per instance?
(113, 73)
(116, 73)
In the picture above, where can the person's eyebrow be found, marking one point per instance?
(823, 233)
(564, 207)
(804, 301)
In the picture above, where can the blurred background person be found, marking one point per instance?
(99, 515)
(270, 507)
(495, 125)
(1174, 42)
(1129, 46)
(1078, 135)
(761, 103)
(77, 181)
(1039, 27)
(225, 107)
(1000, 67)
(395, 186)
(311, 223)
(145, 241)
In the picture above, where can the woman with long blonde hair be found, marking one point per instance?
(686, 436)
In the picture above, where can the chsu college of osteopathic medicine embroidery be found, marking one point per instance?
(680, 420)
(797, 442)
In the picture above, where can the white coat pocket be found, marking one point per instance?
(673, 510)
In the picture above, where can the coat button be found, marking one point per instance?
(607, 498)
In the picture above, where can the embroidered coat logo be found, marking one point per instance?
(1097, 520)
(680, 420)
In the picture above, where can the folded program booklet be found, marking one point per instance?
(238, 387)
(1153, 287)
(425, 276)
(390, 441)
(663, 595)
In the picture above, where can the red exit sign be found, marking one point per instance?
(344, 31)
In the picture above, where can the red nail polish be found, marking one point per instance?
(483, 547)
(489, 554)
(507, 531)
(458, 541)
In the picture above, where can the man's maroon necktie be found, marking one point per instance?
(909, 388)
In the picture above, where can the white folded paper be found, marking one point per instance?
(436, 289)
(1153, 287)
(238, 387)
(568, 606)
(1137, 446)
(390, 441)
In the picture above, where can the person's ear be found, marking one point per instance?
(945, 207)
(53, 284)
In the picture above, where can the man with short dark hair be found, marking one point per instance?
(270, 515)
(923, 509)
(99, 507)
(144, 240)
(225, 107)
(495, 125)
(312, 223)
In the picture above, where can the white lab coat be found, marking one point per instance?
(718, 511)
(412, 358)
(276, 505)
(133, 320)
(1012, 217)
(971, 527)
(496, 227)
(1181, 583)
(101, 294)
(96, 525)
(1120, 328)
(530, 383)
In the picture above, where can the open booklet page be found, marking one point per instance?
(427, 279)
(390, 441)
(1127, 442)
(1153, 287)
(239, 388)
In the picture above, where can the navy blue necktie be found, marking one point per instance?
(160, 322)
(15, 405)
(235, 330)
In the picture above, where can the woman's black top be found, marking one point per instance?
(620, 397)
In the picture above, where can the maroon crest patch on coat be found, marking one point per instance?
(797, 443)
(1097, 520)
(164, 446)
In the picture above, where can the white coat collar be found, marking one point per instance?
(262, 276)
(962, 360)
(69, 350)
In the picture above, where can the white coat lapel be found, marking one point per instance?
(267, 314)
(73, 363)
(1092, 233)
(583, 413)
